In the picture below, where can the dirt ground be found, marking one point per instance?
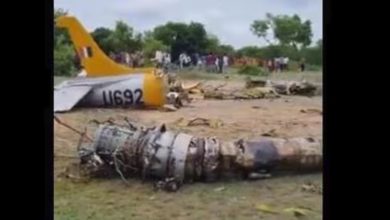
(112, 199)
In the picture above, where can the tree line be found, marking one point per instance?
(285, 36)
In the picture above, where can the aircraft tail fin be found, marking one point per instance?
(95, 62)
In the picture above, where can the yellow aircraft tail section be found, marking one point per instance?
(95, 62)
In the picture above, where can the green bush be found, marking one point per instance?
(252, 71)
(312, 55)
(151, 45)
(64, 60)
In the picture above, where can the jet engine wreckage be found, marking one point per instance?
(172, 159)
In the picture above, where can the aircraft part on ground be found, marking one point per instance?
(66, 99)
(293, 87)
(173, 158)
(124, 91)
(259, 89)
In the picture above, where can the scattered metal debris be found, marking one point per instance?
(312, 188)
(266, 209)
(298, 212)
(213, 94)
(169, 185)
(293, 87)
(256, 93)
(173, 158)
(311, 110)
(259, 89)
(219, 189)
(270, 133)
(178, 92)
(169, 108)
(251, 83)
(252, 93)
(213, 123)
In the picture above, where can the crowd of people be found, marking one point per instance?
(211, 62)
(161, 59)
(280, 64)
(134, 60)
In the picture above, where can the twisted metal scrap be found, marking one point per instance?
(259, 89)
(173, 158)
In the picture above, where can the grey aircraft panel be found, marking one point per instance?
(100, 94)
(71, 92)
(66, 98)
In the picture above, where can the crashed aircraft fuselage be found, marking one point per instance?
(115, 91)
(173, 158)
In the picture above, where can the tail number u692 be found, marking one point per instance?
(126, 97)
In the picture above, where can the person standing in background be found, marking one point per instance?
(133, 58)
(158, 57)
(199, 61)
(167, 59)
(188, 60)
(220, 64)
(302, 65)
(203, 59)
(277, 64)
(282, 63)
(286, 60)
(216, 63)
(269, 65)
(208, 62)
(213, 63)
(181, 60)
(225, 61)
(127, 59)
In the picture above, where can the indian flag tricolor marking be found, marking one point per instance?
(85, 52)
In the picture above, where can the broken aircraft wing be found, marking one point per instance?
(69, 93)
(66, 98)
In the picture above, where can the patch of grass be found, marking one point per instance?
(252, 71)
(197, 75)
(312, 76)
(111, 199)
